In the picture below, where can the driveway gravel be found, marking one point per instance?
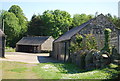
(28, 57)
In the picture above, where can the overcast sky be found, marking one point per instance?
(31, 7)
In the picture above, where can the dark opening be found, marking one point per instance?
(27, 48)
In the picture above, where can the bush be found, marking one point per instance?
(89, 42)
(9, 49)
(107, 32)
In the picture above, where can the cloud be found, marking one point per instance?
(68, 1)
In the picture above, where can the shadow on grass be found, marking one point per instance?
(68, 68)
(47, 59)
(116, 73)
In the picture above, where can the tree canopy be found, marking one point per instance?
(79, 19)
(114, 20)
(50, 23)
(57, 22)
(21, 18)
(12, 28)
(53, 23)
(15, 24)
(36, 27)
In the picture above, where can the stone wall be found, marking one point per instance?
(90, 59)
(96, 28)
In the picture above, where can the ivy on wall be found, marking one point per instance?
(81, 43)
(107, 32)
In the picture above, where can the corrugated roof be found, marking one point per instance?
(72, 32)
(38, 40)
(1, 33)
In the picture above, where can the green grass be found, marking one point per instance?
(55, 71)
(19, 70)
(9, 49)
(70, 71)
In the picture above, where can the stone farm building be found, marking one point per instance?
(35, 44)
(95, 27)
(2, 43)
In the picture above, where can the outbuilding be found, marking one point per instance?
(35, 44)
(95, 27)
(2, 44)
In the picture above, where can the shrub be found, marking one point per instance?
(107, 32)
(89, 42)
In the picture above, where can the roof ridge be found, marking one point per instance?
(67, 35)
(33, 40)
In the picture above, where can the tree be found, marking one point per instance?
(36, 26)
(114, 19)
(15, 24)
(12, 28)
(21, 18)
(57, 22)
(79, 19)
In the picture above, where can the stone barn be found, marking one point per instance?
(95, 27)
(2, 43)
(35, 44)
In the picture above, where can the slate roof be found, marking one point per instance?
(72, 32)
(38, 40)
(1, 33)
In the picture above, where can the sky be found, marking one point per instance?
(31, 7)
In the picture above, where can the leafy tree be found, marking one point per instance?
(114, 19)
(15, 24)
(21, 18)
(79, 19)
(57, 22)
(12, 28)
(36, 26)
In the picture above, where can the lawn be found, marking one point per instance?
(19, 70)
(9, 49)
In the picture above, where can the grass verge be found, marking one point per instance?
(9, 49)
(18, 70)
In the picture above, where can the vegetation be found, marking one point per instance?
(79, 19)
(114, 19)
(51, 22)
(13, 70)
(9, 49)
(15, 24)
(107, 40)
(36, 26)
(89, 42)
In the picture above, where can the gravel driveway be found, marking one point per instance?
(28, 57)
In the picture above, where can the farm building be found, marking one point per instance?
(35, 44)
(95, 27)
(2, 43)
